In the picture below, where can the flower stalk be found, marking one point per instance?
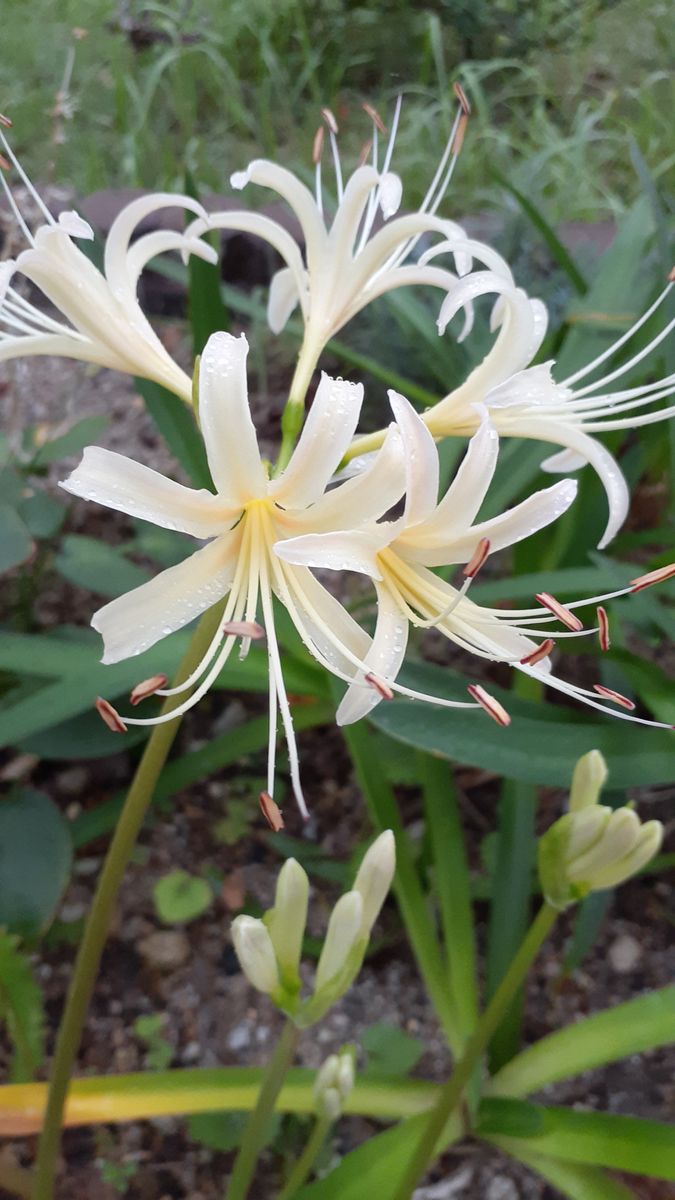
(93, 939)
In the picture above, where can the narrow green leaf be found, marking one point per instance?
(615, 1033)
(16, 543)
(20, 1009)
(176, 424)
(205, 302)
(600, 1139)
(90, 563)
(35, 860)
(559, 252)
(588, 921)
(574, 1181)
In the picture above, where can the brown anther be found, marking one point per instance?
(610, 694)
(657, 576)
(462, 97)
(380, 686)
(477, 559)
(317, 145)
(563, 614)
(79, 33)
(365, 152)
(603, 628)
(5, 121)
(492, 707)
(246, 629)
(459, 136)
(329, 119)
(671, 275)
(110, 715)
(541, 651)
(375, 117)
(271, 812)
(4, 163)
(146, 688)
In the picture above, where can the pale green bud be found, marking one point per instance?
(619, 837)
(586, 826)
(255, 952)
(343, 935)
(333, 1084)
(647, 845)
(374, 877)
(286, 921)
(590, 774)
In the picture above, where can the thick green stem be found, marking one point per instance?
(96, 929)
(256, 1127)
(303, 1165)
(451, 1093)
(294, 411)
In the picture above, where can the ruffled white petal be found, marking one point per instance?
(512, 526)
(326, 435)
(225, 418)
(129, 487)
(463, 499)
(122, 229)
(75, 225)
(299, 197)
(132, 623)
(534, 386)
(283, 299)
(421, 461)
(384, 659)
(346, 550)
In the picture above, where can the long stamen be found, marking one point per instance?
(23, 176)
(627, 366)
(317, 150)
(332, 133)
(601, 358)
(282, 698)
(13, 205)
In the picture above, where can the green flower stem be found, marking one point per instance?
(451, 1093)
(96, 929)
(256, 1126)
(304, 1164)
(293, 414)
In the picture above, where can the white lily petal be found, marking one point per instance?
(228, 430)
(129, 487)
(359, 500)
(463, 499)
(345, 550)
(384, 659)
(283, 298)
(75, 226)
(464, 250)
(263, 227)
(563, 461)
(152, 244)
(593, 452)
(320, 612)
(512, 526)
(421, 461)
(122, 228)
(326, 435)
(135, 621)
(299, 197)
(535, 386)
(540, 325)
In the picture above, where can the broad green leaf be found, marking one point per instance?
(42, 514)
(83, 433)
(629, 1028)
(35, 858)
(176, 424)
(600, 1139)
(20, 1009)
(540, 746)
(373, 1169)
(574, 1181)
(180, 897)
(101, 568)
(83, 736)
(16, 543)
(390, 1050)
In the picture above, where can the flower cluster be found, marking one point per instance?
(263, 532)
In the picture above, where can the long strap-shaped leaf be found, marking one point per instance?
(629, 1028)
(576, 1181)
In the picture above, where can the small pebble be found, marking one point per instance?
(625, 953)
(166, 949)
(501, 1188)
(239, 1037)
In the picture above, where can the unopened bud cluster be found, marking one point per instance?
(269, 949)
(333, 1084)
(593, 847)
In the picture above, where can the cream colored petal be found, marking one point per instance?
(534, 386)
(325, 621)
(127, 486)
(263, 227)
(463, 499)
(299, 197)
(562, 462)
(283, 299)
(346, 550)
(132, 623)
(519, 522)
(124, 225)
(384, 659)
(152, 244)
(326, 435)
(225, 417)
(357, 501)
(421, 461)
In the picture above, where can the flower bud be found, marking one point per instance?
(333, 1084)
(588, 780)
(342, 937)
(286, 921)
(647, 845)
(254, 949)
(374, 877)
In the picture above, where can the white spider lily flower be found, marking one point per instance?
(248, 514)
(100, 320)
(349, 261)
(526, 401)
(398, 555)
